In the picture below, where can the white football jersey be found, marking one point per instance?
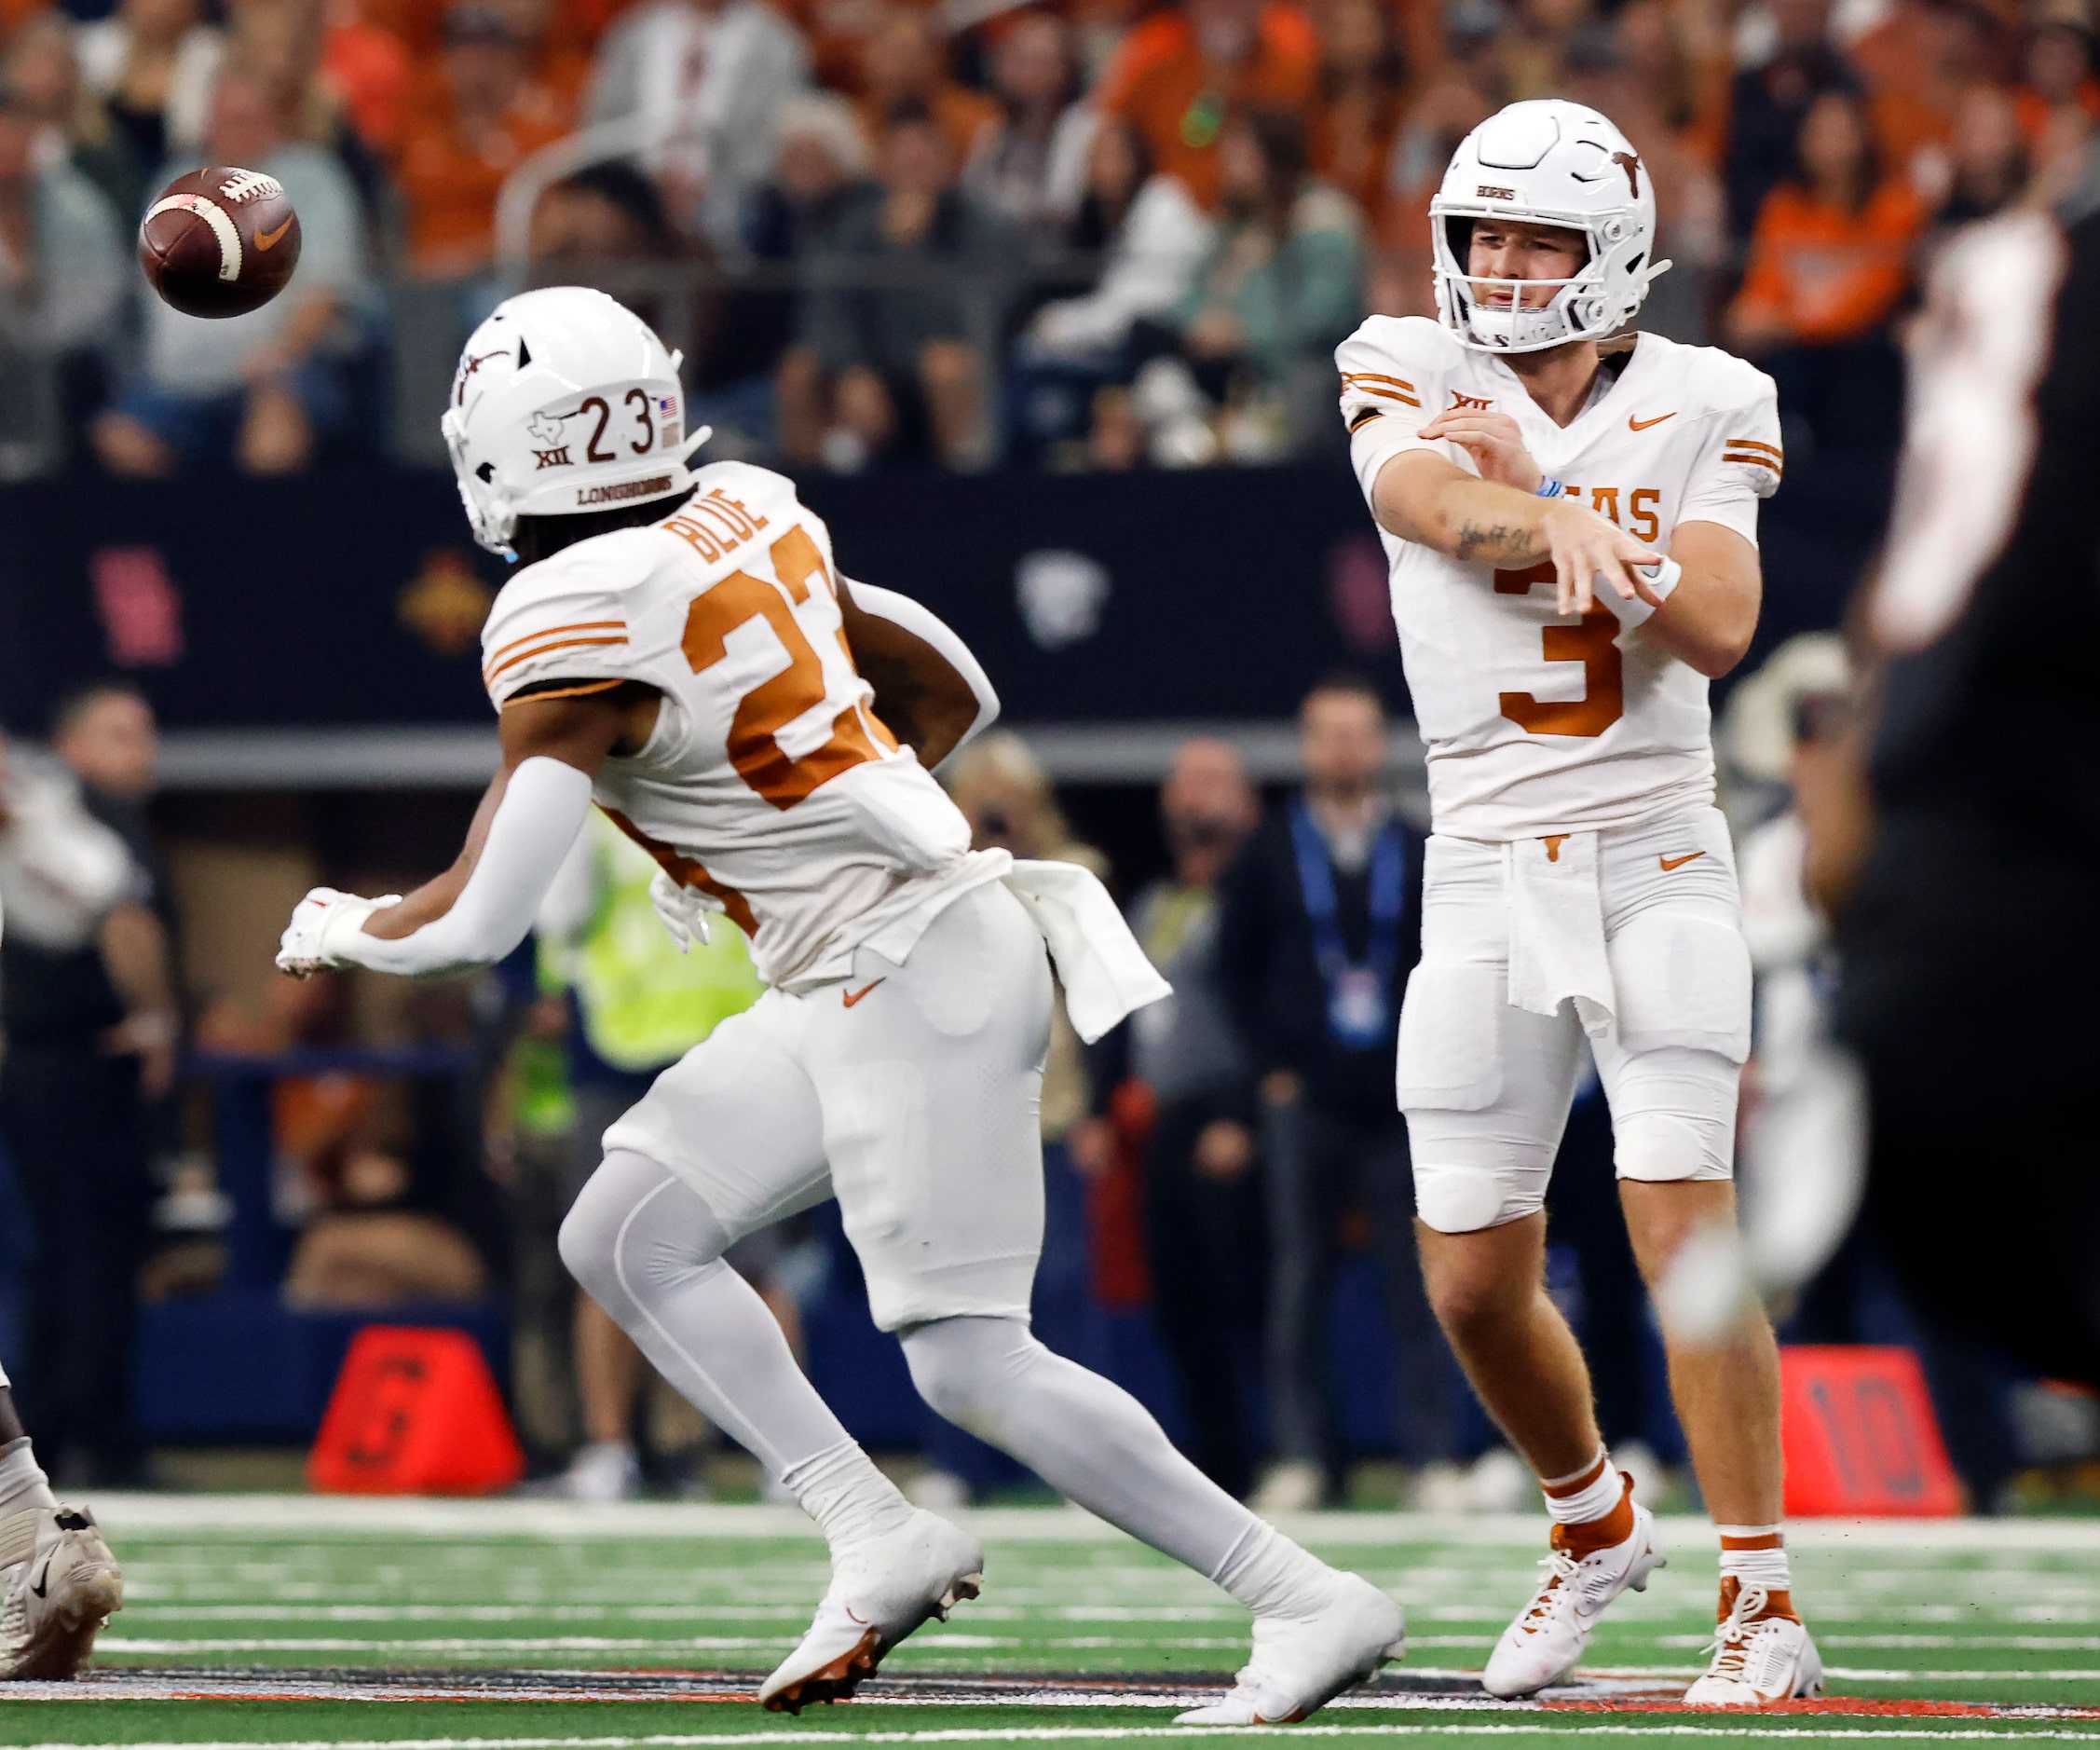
(1536, 722)
(767, 781)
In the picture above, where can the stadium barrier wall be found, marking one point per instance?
(355, 598)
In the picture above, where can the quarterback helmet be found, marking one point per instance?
(1546, 161)
(564, 401)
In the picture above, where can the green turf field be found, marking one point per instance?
(285, 1621)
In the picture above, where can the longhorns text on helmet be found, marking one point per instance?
(1549, 162)
(564, 401)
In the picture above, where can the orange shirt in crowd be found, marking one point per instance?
(2034, 110)
(1160, 82)
(449, 179)
(1822, 274)
(368, 71)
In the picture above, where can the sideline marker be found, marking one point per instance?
(1859, 1436)
(415, 1411)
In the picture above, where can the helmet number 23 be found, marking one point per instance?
(722, 615)
(1592, 642)
(635, 400)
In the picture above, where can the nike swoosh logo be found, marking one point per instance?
(269, 240)
(1669, 863)
(854, 996)
(43, 1580)
(1642, 425)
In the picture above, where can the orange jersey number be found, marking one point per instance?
(734, 602)
(1589, 642)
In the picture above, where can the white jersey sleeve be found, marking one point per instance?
(1741, 458)
(1393, 370)
(567, 626)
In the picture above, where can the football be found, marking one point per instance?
(220, 241)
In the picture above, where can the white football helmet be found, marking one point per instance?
(564, 401)
(1546, 161)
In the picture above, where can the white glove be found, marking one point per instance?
(318, 938)
(685, 911)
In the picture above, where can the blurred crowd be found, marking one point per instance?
(1075, 234)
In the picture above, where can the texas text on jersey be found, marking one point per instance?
(769, 781)
(1535, 723)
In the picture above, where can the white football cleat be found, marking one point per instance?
(1757, 1659)
(1546, 1640)
(881, 1591)
(58, 1601)
(1302, 1662)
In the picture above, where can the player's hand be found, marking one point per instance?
(685, 911)
(321, 922)
(1493, 442)
(1586, 547)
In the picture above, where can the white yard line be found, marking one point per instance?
(415, 1517)
(1557, 1726)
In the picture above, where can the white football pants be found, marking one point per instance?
(1486, 1086)
(908, 1092)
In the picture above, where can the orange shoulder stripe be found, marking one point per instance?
(550, 632)
(1752, 444)
(544, 649)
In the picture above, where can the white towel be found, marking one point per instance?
(1104, 972)
(1557, 930)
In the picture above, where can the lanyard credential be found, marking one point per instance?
(1358, 1006)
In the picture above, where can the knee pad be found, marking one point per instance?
(1673, 1114)
(1465, 1199)
(1660, 1147)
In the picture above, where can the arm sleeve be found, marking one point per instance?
(1385, 402)
(1739, 462)
(542, 810)
(901, 610)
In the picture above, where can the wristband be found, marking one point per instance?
(1549, 489)
(1661, 577)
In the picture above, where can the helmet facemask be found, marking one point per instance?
(1494, 315)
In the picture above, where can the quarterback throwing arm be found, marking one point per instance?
(1443, 471)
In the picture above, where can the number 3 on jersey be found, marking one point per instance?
(773, 706)
(1591, 642)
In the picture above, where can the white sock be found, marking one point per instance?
(1273, 1577)
(850, 1500)
(1768, 1567)
(1592, 1500)
(1094, 1443)
(25, 1492)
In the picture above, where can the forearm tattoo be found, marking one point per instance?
(1499, 542)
